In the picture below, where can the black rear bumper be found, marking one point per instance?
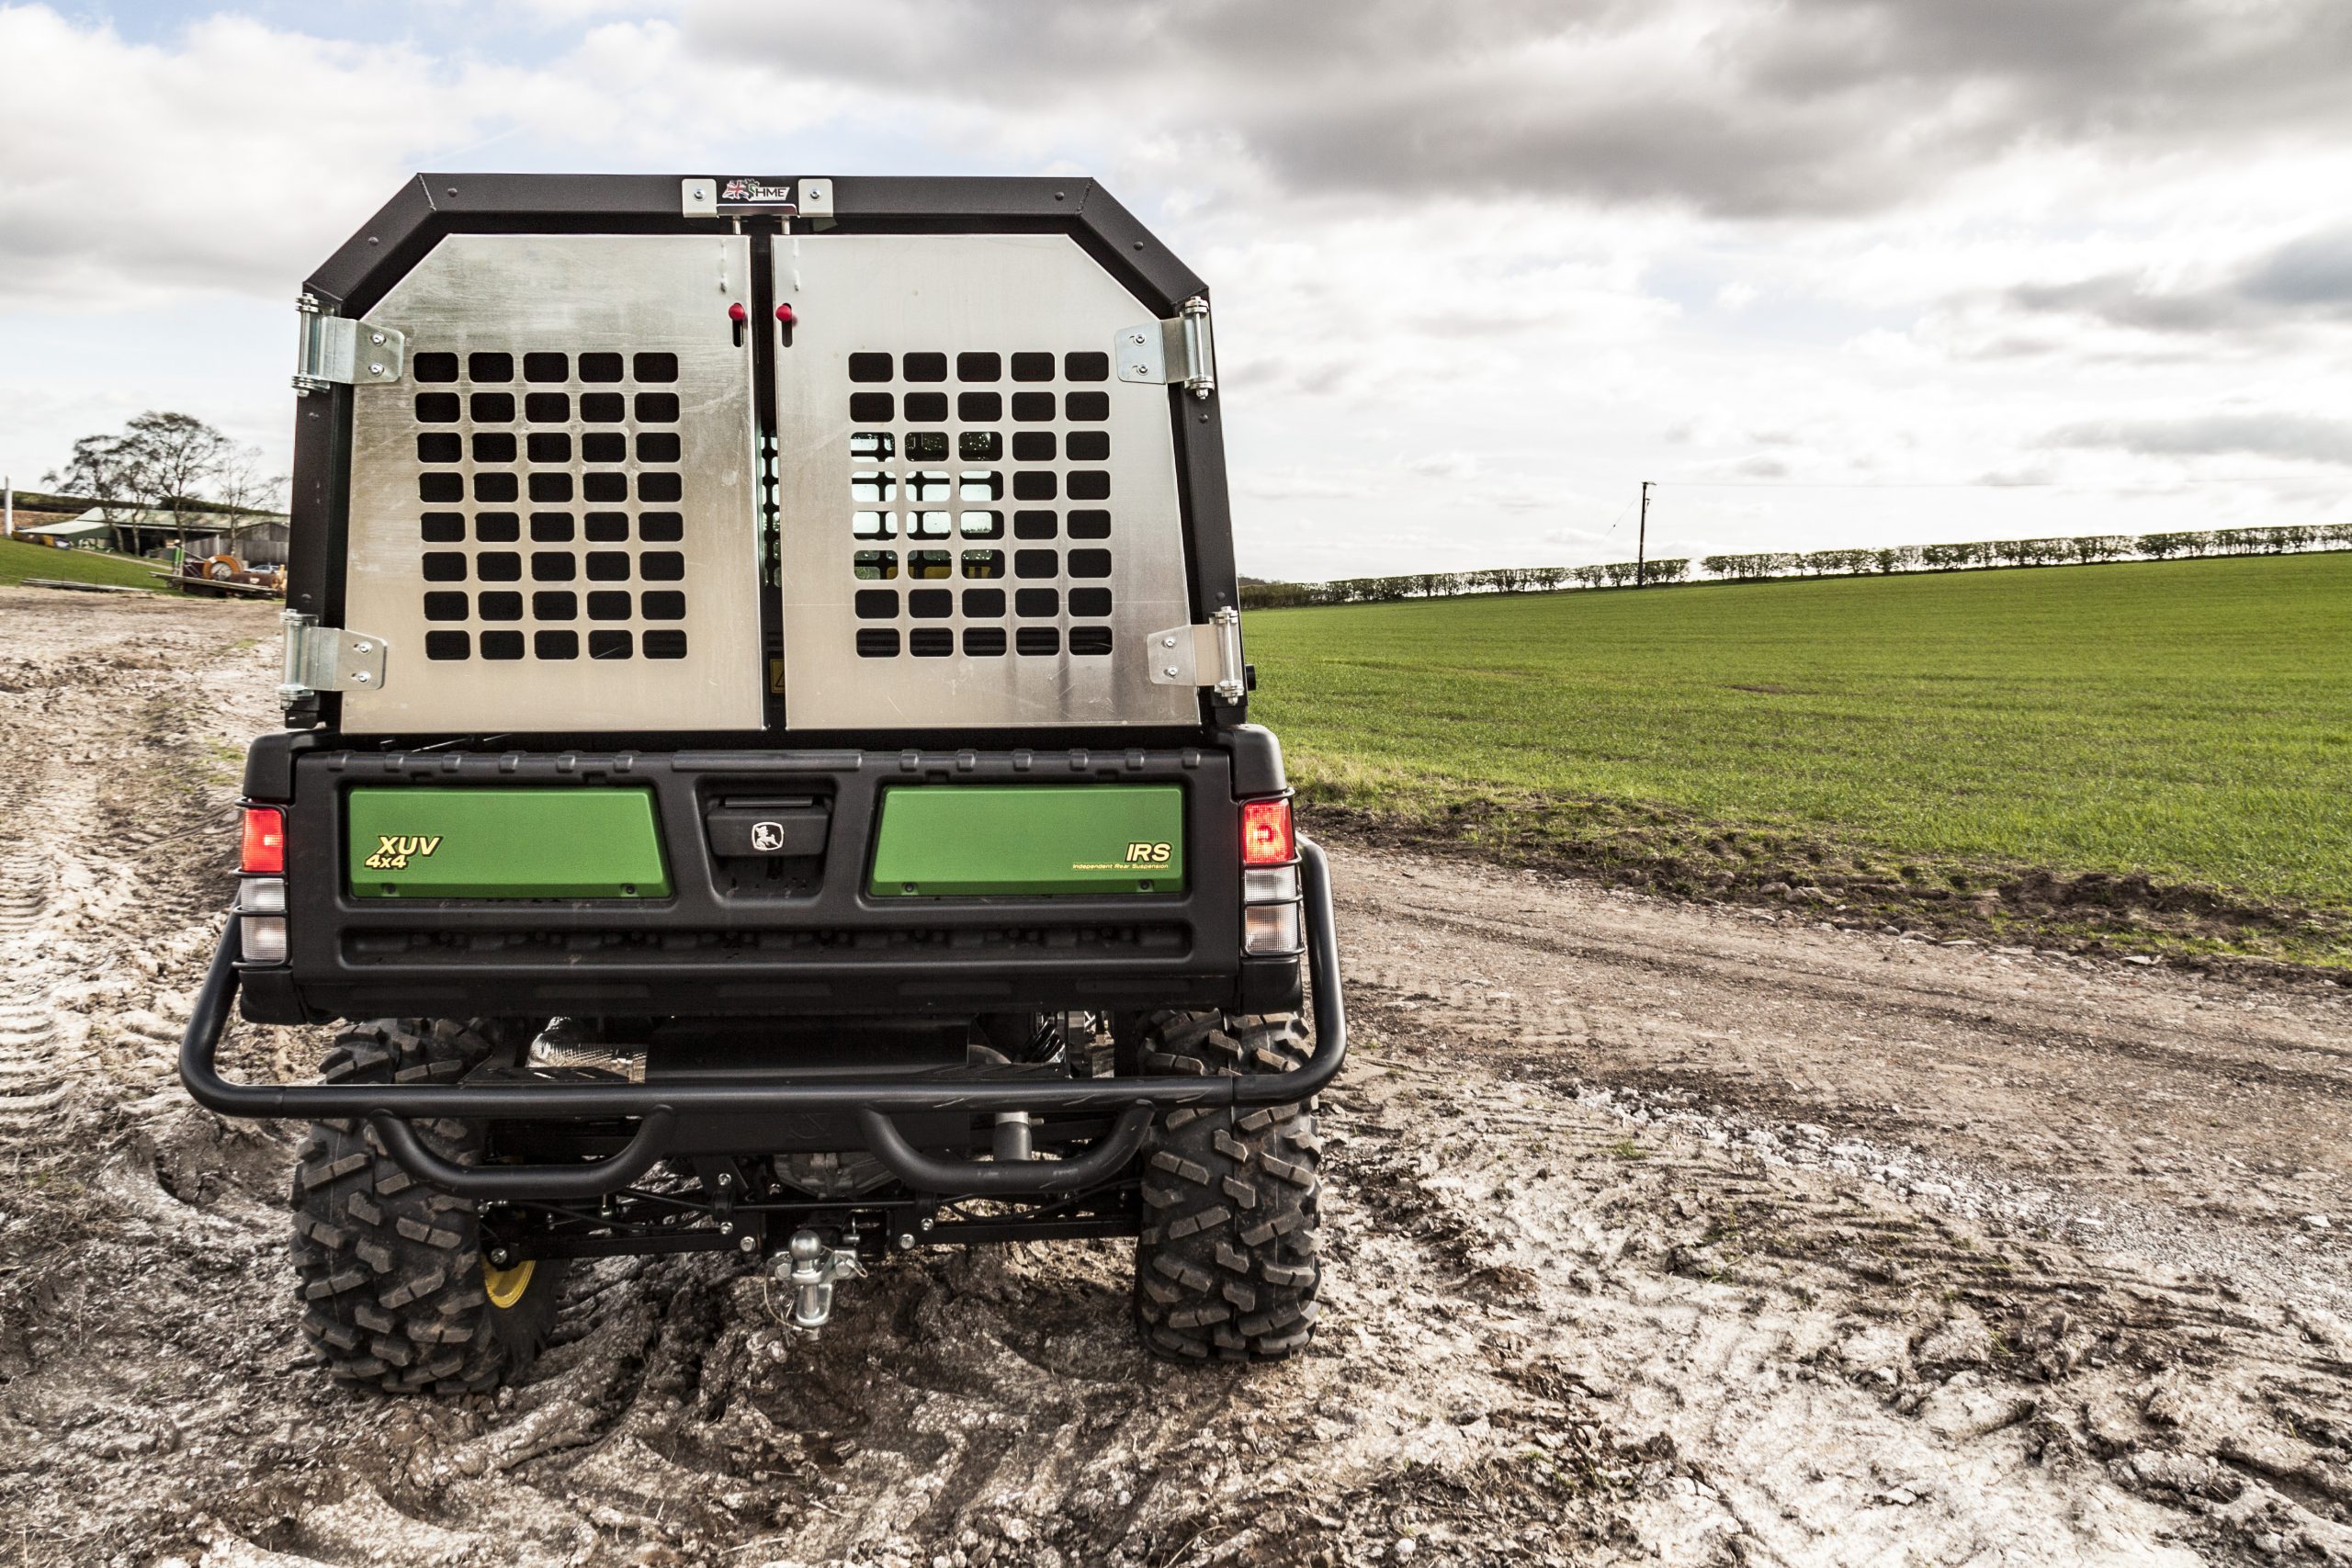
(735, 937)
(657, 1108)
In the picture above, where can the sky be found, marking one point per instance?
(1832, 273)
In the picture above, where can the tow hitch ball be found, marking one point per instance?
(816, 1265)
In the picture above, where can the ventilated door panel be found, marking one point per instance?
(552, 515)
(980, 522)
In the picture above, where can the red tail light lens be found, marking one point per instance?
(1266, 837)
(265, 842)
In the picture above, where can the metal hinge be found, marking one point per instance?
(1178, 352)
(1202, 656)
(329, 659)
(340, 351)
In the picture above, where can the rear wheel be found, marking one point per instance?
(395, 1291)
(1228, 1267)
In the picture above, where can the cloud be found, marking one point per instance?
(2124, 299)
(1743, 107)
(2307, 279)
(1447, 464)
(237, 157)
(132, 173)
(2301, 437)
(2314, 272)
(1294, 484)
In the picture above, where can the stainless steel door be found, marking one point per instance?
(553, 519)
(980, 522)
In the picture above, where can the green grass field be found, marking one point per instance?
(19, 560)
(2188, 720)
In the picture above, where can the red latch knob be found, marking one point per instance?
(741, 317)
(783, 313)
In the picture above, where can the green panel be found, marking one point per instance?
(949, 840)
(504, 843)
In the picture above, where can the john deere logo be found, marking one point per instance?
(393, 852)
(1147, 854)
(767, 836)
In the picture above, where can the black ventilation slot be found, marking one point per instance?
(895, 495)
(587, 437)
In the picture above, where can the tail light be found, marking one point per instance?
(1271, 931)
(263, 849)
(1266, 837)
(1269, 884)
(262, 940)
(1269, 913)
(261, 891)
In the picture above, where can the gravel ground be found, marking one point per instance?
(1658, 1233)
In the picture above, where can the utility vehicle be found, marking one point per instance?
(767, 768)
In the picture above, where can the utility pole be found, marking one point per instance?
(1642, 540)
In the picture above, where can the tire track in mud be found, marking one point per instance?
(2082, 1354)
(35, 1073)
(110, 854)
(2299, 1065)
(1861, 1382)
(2202, 1121)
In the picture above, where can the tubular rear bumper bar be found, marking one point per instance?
(390, 1107)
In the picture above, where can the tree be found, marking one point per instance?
(177, 455)
(100, 469)
(245, 486)
(160, 462)
(2092, 547)
(1745, 568)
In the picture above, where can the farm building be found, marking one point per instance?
(73, 531)
(250, 535)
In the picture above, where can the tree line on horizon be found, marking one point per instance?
(2080, 550)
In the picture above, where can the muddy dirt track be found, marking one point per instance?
(1657, 1232)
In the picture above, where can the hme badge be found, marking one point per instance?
(393, 852)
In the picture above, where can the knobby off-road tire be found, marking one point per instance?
(1227, 1268)
(391, 1270)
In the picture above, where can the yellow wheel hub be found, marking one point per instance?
(506, 1285)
